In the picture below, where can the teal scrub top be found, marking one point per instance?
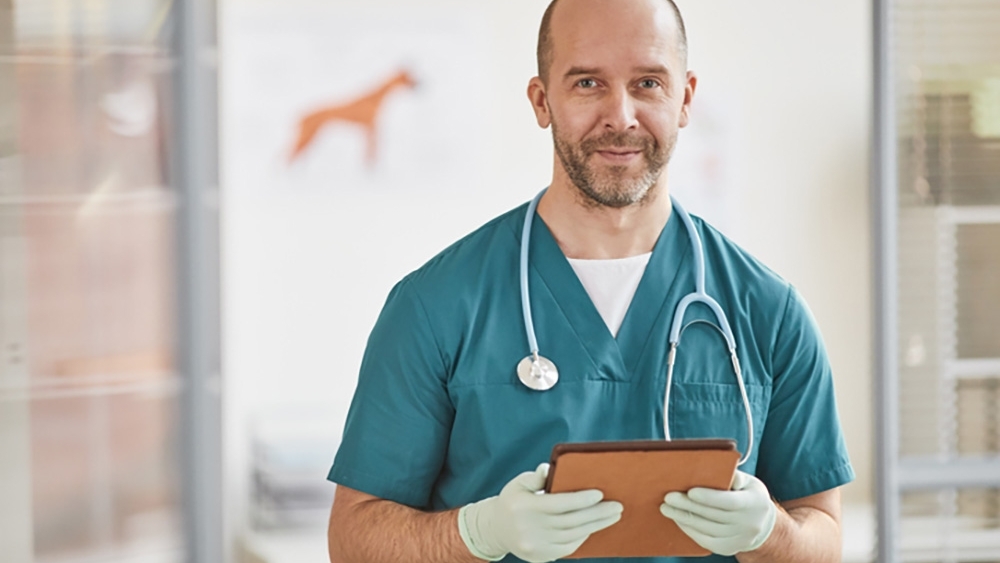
(439, 418)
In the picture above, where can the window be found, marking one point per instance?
(938, 191)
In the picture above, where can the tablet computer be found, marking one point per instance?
(639, 474)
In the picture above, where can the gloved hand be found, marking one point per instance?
(535, 527)
(725, 522)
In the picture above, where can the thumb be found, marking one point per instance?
(543, 470)
(740, 481)
(531, 481)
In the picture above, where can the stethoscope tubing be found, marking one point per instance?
(529, 325)
(677, 324)
(677, 327)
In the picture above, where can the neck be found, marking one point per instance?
(592, 232)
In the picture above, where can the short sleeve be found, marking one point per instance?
(802, 450)
(396, 433)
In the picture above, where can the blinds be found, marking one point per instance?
(947, 74)
(944, 74)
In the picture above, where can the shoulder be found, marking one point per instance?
(773, 314)
(491, 246)
(739, 272)
(452, 284)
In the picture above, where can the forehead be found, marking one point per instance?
(613, 34)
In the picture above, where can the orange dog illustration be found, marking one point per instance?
(362, 111)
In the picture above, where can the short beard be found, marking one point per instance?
(612, 189)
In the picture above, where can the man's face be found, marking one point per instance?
(616, 95)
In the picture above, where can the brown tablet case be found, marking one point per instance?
(639, 474)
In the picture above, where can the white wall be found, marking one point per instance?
(305, 273)
(800, 73)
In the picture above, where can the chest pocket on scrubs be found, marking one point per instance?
(705, 400)
(715, 410)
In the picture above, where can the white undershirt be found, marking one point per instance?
(611, 284)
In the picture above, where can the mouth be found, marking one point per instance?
(619, 154)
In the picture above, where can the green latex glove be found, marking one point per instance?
(725, 522)
(534, 526)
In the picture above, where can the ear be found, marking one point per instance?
(539, 102)
(689, 88)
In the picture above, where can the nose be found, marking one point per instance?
(619, 111)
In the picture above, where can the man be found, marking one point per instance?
(441, 439)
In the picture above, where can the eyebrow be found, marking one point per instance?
(655, 69)
(580, 70)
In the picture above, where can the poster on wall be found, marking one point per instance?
(350, 98)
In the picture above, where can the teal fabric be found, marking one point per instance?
(439, 418)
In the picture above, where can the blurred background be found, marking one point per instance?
(199, 226)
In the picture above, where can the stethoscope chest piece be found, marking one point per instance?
(537, 372)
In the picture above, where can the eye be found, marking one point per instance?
(587, 83)
(649, 83)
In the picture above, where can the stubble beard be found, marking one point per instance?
(612, 186)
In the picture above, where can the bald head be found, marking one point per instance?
(545, 42)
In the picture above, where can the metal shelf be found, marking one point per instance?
(969, 214)
(49, 388)
(158, 196)
(924, 473)
(979, 368)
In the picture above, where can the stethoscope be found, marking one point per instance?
(541, 374)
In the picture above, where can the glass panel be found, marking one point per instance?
(73, 26)
(947, 76)
(95, 128)
(6, 27)
(978, 263)
(978, 416)
(89, 393)
(99, 293)
(103, 421)
(105, 478)
(963, 163)
(946, 73)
